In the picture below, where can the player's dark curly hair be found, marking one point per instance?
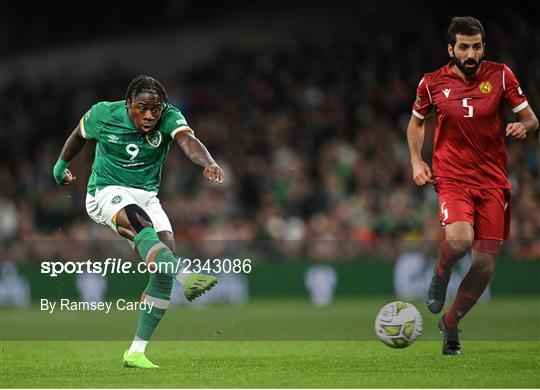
(464, 25)
(145, 83)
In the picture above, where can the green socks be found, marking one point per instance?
(158, 290)
(152, 250)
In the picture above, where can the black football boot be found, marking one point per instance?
(436, 294)
(451, 345)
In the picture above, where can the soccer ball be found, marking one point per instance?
(398, 324)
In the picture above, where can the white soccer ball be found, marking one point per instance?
(398, 324)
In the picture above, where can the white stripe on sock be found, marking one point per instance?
(154, 248)
(158, 302)
(138, 345)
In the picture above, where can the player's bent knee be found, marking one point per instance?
(460, 246)
(137, 217)
(459, 236)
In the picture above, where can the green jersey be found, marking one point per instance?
(123, 156)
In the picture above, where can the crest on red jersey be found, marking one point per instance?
(485, 87)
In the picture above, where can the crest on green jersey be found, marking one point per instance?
(154, 138)
(117, 199)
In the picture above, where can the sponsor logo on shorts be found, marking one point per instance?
(117, 199)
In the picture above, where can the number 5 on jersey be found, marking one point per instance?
(470, 113)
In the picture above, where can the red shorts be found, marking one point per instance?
(487, 210)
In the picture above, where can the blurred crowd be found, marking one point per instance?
(312, 138)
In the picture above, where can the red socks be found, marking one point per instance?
(447, 258)
(471, 288)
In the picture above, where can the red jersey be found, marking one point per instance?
(469, 144)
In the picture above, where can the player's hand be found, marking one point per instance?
(516, 130)
(213, 173)
(68, 178)
(421, 172)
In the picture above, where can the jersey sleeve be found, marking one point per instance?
(514, 96)
(422, 105)
(173, 122)
(93, 121)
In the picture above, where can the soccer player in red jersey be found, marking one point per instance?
(469, 164)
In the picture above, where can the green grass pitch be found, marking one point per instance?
(279, 343)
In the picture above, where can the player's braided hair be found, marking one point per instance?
(465, 25)
(145, 83)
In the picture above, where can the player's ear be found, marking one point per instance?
(450, 50)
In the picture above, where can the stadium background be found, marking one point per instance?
(305, 106)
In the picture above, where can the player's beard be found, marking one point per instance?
(467, 71)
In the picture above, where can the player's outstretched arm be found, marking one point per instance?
(72, 147)
(415, 138)
(527, 123)
(197, 152)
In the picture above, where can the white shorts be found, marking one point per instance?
(110, 200)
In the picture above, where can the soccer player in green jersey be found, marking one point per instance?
(133, 137)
